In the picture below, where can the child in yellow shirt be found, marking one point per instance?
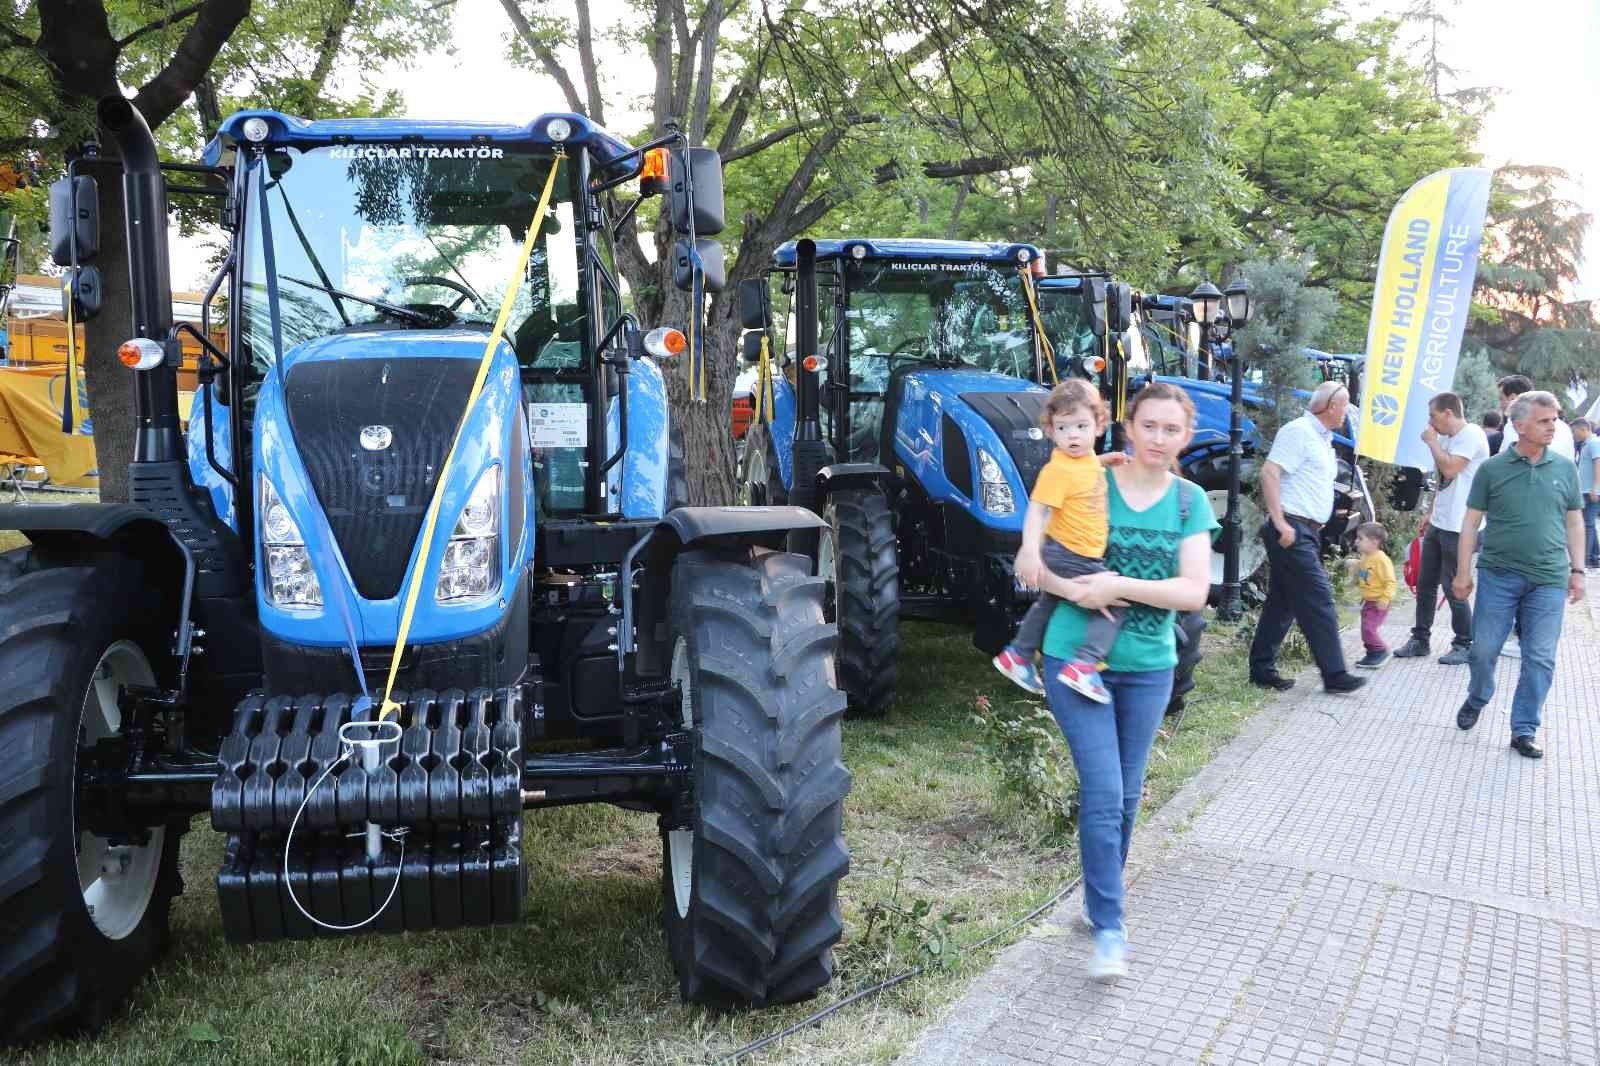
(1065, 530)
(1375, 578)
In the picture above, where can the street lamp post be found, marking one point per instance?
(1219, 314)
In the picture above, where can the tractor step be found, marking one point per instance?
(446, 796)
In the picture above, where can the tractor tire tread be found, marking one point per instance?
(763, 913)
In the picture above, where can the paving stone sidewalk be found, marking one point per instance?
(1353, 880)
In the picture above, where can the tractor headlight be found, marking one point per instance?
(997, 498)
(470, 569)
(291, 581)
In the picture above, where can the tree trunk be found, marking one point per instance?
(707, 427)
(111, 391)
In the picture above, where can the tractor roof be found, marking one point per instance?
(913, 248)
(288, 130)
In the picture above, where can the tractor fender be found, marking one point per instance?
(765, 526)
(72, 528)
(837, 476)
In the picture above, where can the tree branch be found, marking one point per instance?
(709, 31)
(28, 95)
(328, 48)
(15, 38)
(547, 59)
(591, 72)
(161, 23)
(166, 92)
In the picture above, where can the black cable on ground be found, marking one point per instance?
(805, 1023)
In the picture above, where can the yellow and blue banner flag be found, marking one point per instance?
(1419, 309)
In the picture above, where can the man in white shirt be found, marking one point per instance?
(1458, 448)
(1514, 385)
(1297, 487)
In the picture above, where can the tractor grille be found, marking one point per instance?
(375, 500)
(1015, 417)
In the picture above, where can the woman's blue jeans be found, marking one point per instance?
(1110, 745)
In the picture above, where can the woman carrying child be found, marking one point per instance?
(1157, 561)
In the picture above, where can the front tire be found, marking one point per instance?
(760, 480)
(750, 880)
(856, 556)
(81, 918)
(1252, 553)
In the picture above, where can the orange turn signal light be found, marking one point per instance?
(664, 342)
(140, 353)
(656, 173)
(1094, 364)
(814, 363)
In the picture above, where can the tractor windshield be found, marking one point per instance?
(972, 313)
(410, 237)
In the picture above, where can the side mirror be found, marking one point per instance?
(703, 168)
(755, 304)
(1119, 306)
(86, 293)
(1406, 490)
(1095, 292)
(752, 346)
(74, 210)
(715, 276)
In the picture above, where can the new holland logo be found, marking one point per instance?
(1385, 410)
(376, 438)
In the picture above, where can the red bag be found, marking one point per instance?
(1413, 567)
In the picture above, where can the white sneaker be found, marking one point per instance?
(1110, 958)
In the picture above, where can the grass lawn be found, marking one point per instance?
(585, 977)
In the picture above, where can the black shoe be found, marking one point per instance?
(1525, 747)
(1276, 682)
(1373, 660)
(1467, 716)
(1345, 682)
(1412, 649)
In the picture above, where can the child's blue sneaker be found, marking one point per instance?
(1110, 958)
(1019, 670)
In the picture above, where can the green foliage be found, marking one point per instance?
(1524, 322)
(1024, 742)
(1476, 382)
(1287, 315)
(902, 930)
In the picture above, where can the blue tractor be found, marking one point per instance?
(909, 419)
(412, 571)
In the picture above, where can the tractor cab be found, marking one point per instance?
(908, 417)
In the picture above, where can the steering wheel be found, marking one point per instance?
(900, 350)
(466, 291)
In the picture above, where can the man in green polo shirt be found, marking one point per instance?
(1532, 564)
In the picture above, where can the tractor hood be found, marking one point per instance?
(373, 414)
(452, 343)
(946, 419)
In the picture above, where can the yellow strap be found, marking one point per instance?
(72, 350)
(389, 705)
(764, 397)
(1038, 324)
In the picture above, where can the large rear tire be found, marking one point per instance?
(750, 882)
(81, 918)
(856, 556)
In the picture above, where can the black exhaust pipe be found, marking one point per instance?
(807, 382)
(144, 194)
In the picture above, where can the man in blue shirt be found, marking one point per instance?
(1588, 451)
